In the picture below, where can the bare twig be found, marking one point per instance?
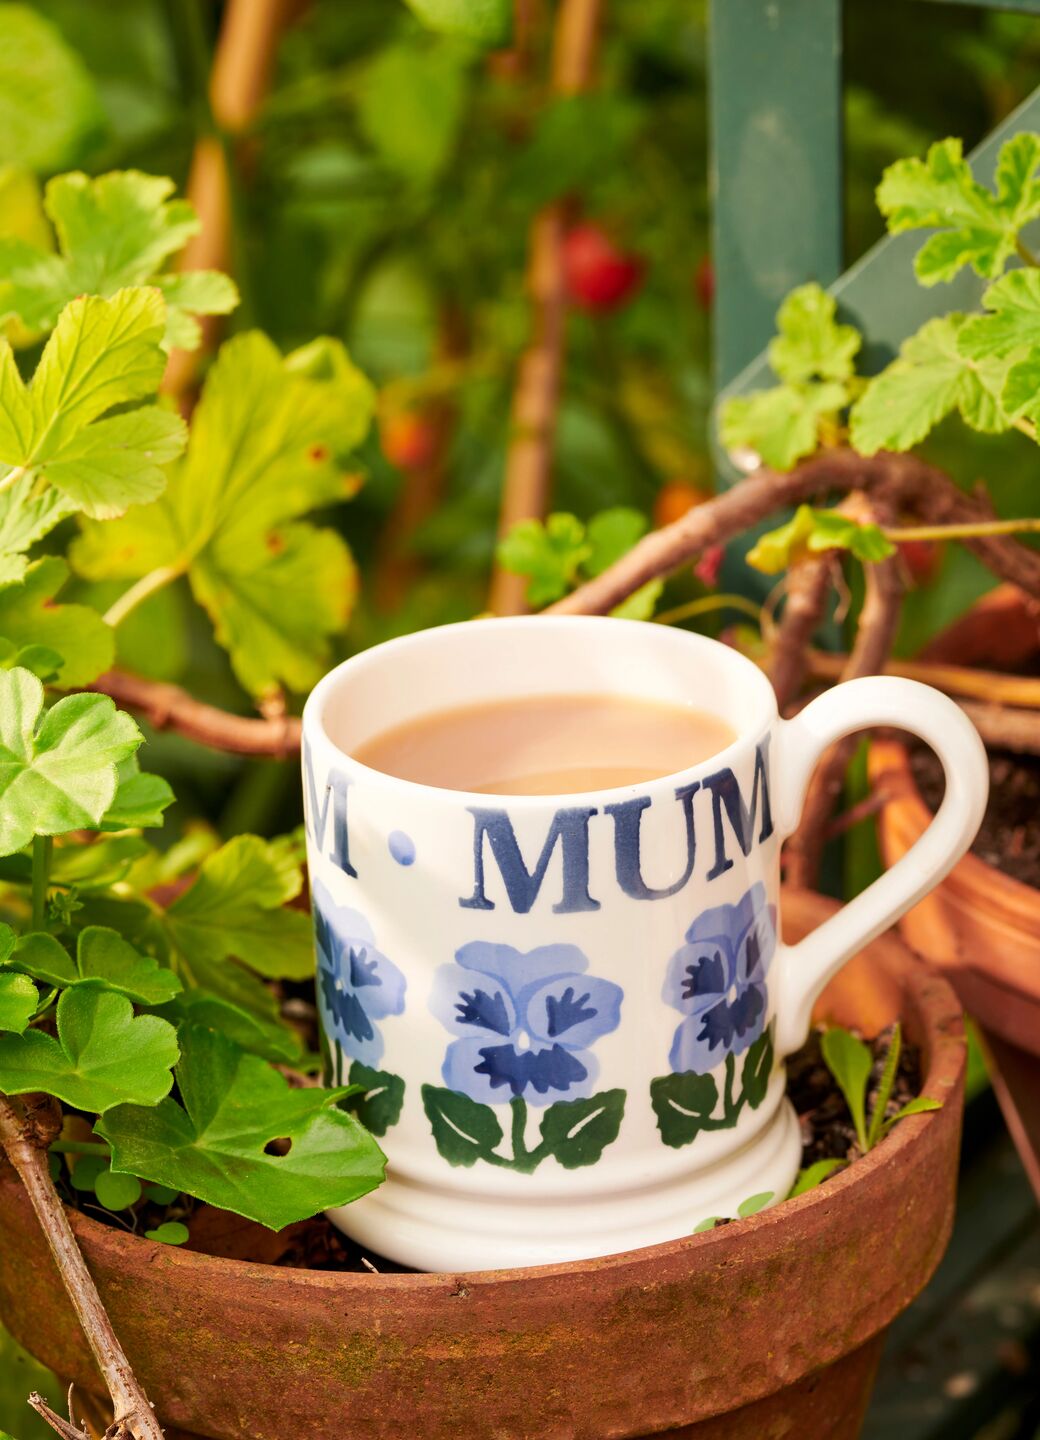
(135, 1418)
(526, 484)
(959, 680)
(1004, 728)
(67, 1429)
(168, 707)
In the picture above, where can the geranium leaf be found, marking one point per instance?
(811, 345)
(19, 998)
(975, 226)
(214, 1145)
(30, 616)
(548, 554)
(811, 531)
(930, 380)
(236, 907)
(1014, 321)
(268, 443)
(488, 22)
(140, 799)
(102, 955)
(58, 772)
(24, 519)
(44, 958)
(781, 425)
(611, 534)
(48, 104)
(259, 1034)
(103, 1055)
(113, 231)
(641, 604)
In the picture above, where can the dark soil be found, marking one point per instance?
(1010, 835)
(316, 1244)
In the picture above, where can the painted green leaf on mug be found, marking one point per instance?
(103, 1055)
(378, 1107)
(464, 1130)
(220, 1143)
(758, 1067)
(682, 1103)
(57, 769)
(578, 1131)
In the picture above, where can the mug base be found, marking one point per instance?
(434, 1230)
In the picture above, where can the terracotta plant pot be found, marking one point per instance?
(980, 927)
(764, 1328)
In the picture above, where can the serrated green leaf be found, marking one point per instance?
(929, 381)
(140, 799)
(48, 105)
(1021, 392)
(24, 519)
(98, 864)
(781, 425)
(267, 444)
(1014, 321)
(487, 22)
(44, 958)
(19, 998)
(114, 231)
(58, 772)
(116, 463)
(549, 554)
(811, 345)
(976, 227)
(103, 959)
(920, 1105)
(117, 1192)
(577, 1132)
(234, 1105)
(103, 1055)
(811, 531)
(611, 534)
(30, 616)
(850, 1062)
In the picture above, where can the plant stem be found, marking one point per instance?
(730, 1111)
(706, 605)
(975, 531)
(12, 477)
(140, 591)
(168, 707)
(1024, 252)
(986, 685)
(132, 1407)
(42, 849)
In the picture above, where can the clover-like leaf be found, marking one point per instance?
(214, 1145)
(113, 231)
(259, 1031)
(57, 770)
(976, 227)
(611, 534)
(103, 353)
(26, 517)
(268, 443)
(930, 380)
(103, 1055)
(548, 554)
(811, 345)
(80, 643)
(19, 998)
(781, 425)
(811, 531)
(103, 958)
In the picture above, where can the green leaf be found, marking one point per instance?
(44, 958)
(682, 1103)
(269, 440)
(18, 1001)
(1021, 392)
(117, 1192)
(850, 1062)
(758, 1068)
(263, 1034)
(548, 554)
(161, 1194)
(488, 23)
(929, 381)
(213, 1145)
(918, 1106)
(611, 534)
(235, 907)
(811, 531)
(103, 1055)
(754, 1203)
(781, 425)
(706, 1224)
(31, 619)
(578, 1131)
(103, 956)
(97, 864)
(884, 1086)
(58, 772)
(48, 105)
(379, 1106)
(24, 519)
(170, 1232)
(464, 1130)
(411, 102)
(976, 227)
(102, 353)
(114, 231)
(813, 1175)
(1014, 321)
(139, 801)
(811, 345)
(641, 604)
(86, 1172)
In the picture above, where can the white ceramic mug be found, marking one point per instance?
(570, 1013)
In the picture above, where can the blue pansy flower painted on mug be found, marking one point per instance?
(357, 984)
(525, 1022)
(718, 981)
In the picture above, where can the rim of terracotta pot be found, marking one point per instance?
(845, 1258)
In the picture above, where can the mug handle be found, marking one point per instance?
(804, 969)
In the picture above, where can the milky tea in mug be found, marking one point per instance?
(544, 861)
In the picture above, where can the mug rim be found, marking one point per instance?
(313, 718)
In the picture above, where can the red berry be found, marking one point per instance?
(704, 282)
(408, 440)
(708, 566)
(921, 558)
(599, 276)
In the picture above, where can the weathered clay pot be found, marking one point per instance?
(980, 927)
(765, 1328)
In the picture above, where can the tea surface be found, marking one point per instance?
(547, 744)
